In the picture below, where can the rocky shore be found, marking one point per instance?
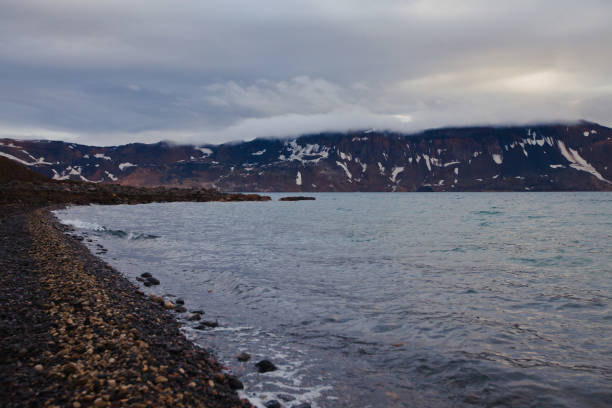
(74, 332)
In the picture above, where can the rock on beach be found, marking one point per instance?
(76, 333)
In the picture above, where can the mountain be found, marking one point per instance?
(557, 157)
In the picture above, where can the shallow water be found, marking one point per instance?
(390, 299)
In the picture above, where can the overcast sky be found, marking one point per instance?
(207, 71)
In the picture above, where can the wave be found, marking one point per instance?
(92, 226)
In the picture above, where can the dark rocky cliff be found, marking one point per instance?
(518, 158)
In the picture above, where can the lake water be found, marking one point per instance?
(390, 299)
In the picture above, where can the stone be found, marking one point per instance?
(168, 304)
(99, 403)
(146, 275)
(273, 404)
(243, 357)
(180, 301)
(265, 366)
(207, 324)
(39, 368)
(180, 309)
(302, 405)
(194, 317)
(160, 379)
(153, 281)
(234, 383)
(155, 298)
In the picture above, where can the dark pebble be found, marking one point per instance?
(265, 366)
(273, 404)
(194, 317)
(206, 324)
(153, 281)
(146, 275)
(180, 301)
(243, 357)
(234, 383)
(302, 405)
(197, 311)
(180, 309)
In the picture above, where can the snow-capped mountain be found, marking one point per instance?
(512, 158)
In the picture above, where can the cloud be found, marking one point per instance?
(119, 71)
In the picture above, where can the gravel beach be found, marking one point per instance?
(74, 332)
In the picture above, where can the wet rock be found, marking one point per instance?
(273, 404)
(207, 324)
(180, 301)
(156, 299)
(243, 357)
(265, 366)
(198, 311)
(180, 309)
(302, 405)
(194, 317)
(234, 383)
(146, 275)
(296, 198)
(152, 281)
(168, 304)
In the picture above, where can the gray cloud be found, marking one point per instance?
(115, 71)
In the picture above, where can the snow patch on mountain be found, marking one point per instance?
(577, 162)
(310, 153)
(125, 165)
(102, 156)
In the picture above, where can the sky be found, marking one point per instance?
(192, 71)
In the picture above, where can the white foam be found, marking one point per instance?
(258, 153)
(497, 158)
(80, 224)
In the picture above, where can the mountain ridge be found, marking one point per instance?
(548, 157)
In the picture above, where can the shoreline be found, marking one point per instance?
(76, 332)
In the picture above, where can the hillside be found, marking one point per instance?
(10, 170)
(515, 158)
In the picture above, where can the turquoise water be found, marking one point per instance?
(390, 299)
